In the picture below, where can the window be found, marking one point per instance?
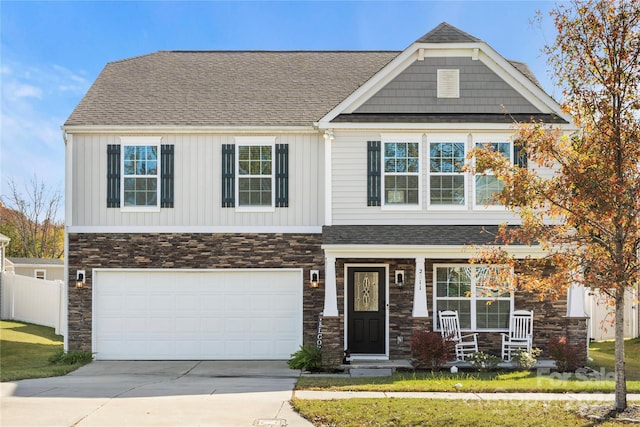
(467, 289)
(140, 172)
(255, 175)
(487, 185)
(401, 173)
(446, 180)
(40, 274)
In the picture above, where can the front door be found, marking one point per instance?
(366, 310)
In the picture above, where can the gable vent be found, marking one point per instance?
(448, 83)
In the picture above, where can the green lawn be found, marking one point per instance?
(25, 350)
(603, 355)
(437, 412)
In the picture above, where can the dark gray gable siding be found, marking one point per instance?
(414, 91)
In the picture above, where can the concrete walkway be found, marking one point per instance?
(328, 395)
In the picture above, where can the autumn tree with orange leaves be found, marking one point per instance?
(579, 199)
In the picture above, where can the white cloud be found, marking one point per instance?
(23, 91)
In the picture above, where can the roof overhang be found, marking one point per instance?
(185, 129)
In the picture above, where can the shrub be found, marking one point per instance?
(308, 358)
(483, 362)
(526, 360)
(430, 350)
(71, 358)
(568, 357)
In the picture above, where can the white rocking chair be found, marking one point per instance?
(520, 336)
(465, 345)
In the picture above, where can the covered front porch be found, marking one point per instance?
(406, 299)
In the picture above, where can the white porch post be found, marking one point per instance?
(575, 301)
(420, 291)
(330, 293)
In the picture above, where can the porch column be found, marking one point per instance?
(330, 293)
(575, 301)
(420, 291)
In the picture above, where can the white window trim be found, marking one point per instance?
(44, 274)
(140, 141)
(472, 298)
(486, 138)
(447, 137)
(409, 138)
(261, 141)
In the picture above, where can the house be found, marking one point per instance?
(40, 268)
(235, 205)
(4, 242)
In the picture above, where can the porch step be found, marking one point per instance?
(375, 368)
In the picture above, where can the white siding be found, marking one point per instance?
(197, 185)
(349, 199)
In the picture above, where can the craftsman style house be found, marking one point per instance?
(235, 205)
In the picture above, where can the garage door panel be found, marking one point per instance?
(154, 315)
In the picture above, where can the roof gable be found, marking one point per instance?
(446, 33)
(406, 86)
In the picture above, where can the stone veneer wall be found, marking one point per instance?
(189, 250)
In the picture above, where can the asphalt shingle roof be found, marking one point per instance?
(409, 234)
(224, 88)
(235, 88)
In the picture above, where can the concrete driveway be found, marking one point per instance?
(166, 393)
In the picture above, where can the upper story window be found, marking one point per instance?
(141, 176)
(40, 274)
(487, 185)
(471, 290)
(447, 183)
(401, 167)
(255, 175)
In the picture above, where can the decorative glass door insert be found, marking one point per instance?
(366, 291)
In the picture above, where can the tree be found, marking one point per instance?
(581, 199)
(30, 220)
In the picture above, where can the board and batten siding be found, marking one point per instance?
(197, 184)
(349, 202)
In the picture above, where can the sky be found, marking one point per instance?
(52, 51)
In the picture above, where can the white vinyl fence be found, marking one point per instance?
(32, 300)
(602, 315)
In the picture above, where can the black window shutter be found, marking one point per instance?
(228, 175)
(373, 173)
(282, 175)
(113, 176)
(166, 176)
(519, 155)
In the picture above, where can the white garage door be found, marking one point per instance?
(196, 315)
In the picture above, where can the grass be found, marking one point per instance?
(476, 382)
(436, 412)
(603, 356)
(26, 350)
(488, 382)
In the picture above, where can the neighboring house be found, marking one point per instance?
(40, 268)
(4, 242)
(235, 205)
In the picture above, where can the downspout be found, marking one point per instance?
(328, 172)
(68, 196)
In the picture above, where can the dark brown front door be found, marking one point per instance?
(366, 310)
